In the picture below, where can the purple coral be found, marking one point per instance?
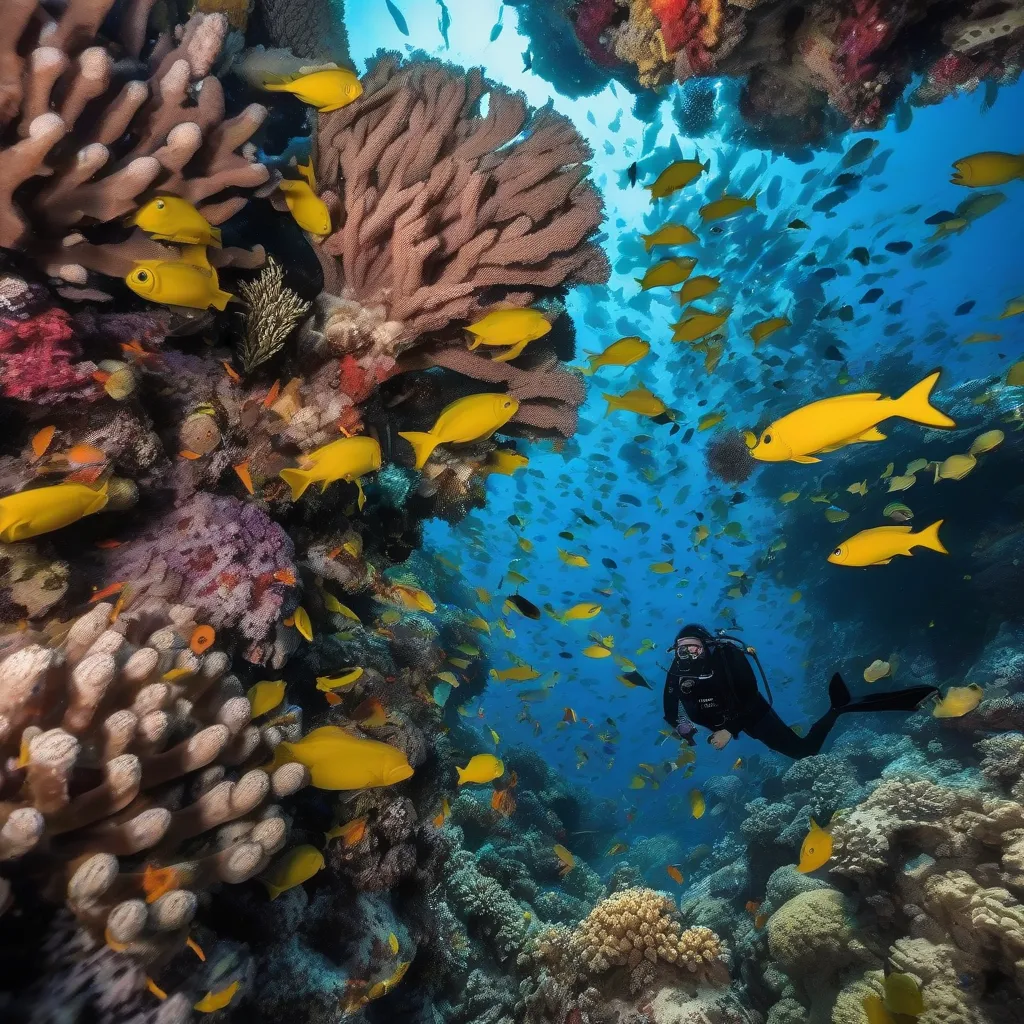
(218, 555)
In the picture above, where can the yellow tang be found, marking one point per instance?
(173, 219)
(511, 327)
(413, 598)
(881, 544)
(676, 176)
(698, 324)
(697, 288)
(816, 849)
(661, 568)
(956, 467)
(303, 623)
(580, 612)
(959, 701)
(517, 674)
(986, 442)
(347, 678)
(727, 206)
(482, 768)
(506, 462)
(831, 423)
(667, 274)
(327, 90)
(347, 459)
(306, 207)
(476, 622)
(570, 558)
(983, 170)
(903, 994)
(339, 761)
(624, 352)
(265, 696)
(177, 283)
(789, 496)
(697, 805)
(875, 1010)
(709, 420)
(45, 509)
(596, 651)
(466, 419)
(214, 1001)
(768, 327)
(638, 400)
(670, 234)
(293, 868)
(567, 859)
(333, 605)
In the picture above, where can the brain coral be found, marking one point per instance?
(809, 935)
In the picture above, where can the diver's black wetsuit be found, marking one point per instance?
(719, 691)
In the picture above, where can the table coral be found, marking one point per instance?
(65, 113)
(123, 783)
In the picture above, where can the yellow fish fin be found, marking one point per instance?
(195, 255)
(509, 354)
(914, 404)
(361, 501)
(423, 445)
(805, 459)
(215, 239)
(298, 480)
(929, 538)
(873, 434)
(220, 299)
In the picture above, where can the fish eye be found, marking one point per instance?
(767, 439)
(160, 204)
(142, 276)
(838, 551)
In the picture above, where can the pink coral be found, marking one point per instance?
(40, 360)
(593, 18)
(679, 20)
(860, 36)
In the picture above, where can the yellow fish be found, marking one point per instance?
(338, 761)
(444, 813)
(172, 219)
(327, 683)
(815, 850)
(327, 90)
(567, 859)
(956, 467)
(858, 488)
(699, 324)
(516, 674)
(214, 1001)
(959, 700)
(1013, 308)
(667, 274)
(466, 419)
(476, 622)
(638, 400)
(986, 442)
(505, 462)
(45, 509)
(637, 782)
(670, 234)
(875, 1011)
(978, 337)
(513, 327)
(983, 170)
(696, 288)
(413, 598)
(265, 696)
(831, 423)
(697, 805)
(789, 496)
(903, 995)
(616, 848)
(580, 612)
(624, 352)
(482, 768)
(306, 207)
(727, 206)
(661, 568)
(347, 459)
(302, 623)
(676, 176)
(177, 283)
(596, 651)
(291, 869)
(878, 669)
(393, 943)
(577, 561)
(332, 604)
(901, 483)
(709, 420)
(881, 544)
(768, 327)
(350, 833)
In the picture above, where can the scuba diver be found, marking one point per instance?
(712, 678)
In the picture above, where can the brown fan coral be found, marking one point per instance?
(81, 147)
(122, 782)
(443, 212)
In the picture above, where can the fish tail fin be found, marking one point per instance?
(648, 244)
(612, 403)
(461, 771)
(512, 353)
(298, 480)
(221, 299)
(929, 538)
(423, 445)
(272, 890)
(477, 341)
(838, 693)
(914, 404)
(215, 239)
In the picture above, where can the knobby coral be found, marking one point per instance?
(83, 145)
(122, 775)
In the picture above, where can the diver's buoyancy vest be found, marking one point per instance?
(703, 698)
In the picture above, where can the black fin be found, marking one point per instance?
(909, 699)
(838, 693)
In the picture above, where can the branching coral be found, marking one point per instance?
(122, 746)
(81, 147)
(443, 213)
(274, 312)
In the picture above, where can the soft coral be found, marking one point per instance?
(38, 360)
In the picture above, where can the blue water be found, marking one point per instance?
(907, 169)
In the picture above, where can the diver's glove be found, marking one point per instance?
(686, 730)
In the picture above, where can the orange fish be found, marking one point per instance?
(334, 552)
(157, 881)
(350, 833)
(114, 588)
(285, 576)
(332, 698)
(502, 800)
(41, 441)
(675, 874)
(155, 988)
(85, 454)
(370, 712)
(118, 606)
(89, 475)
(191, 456)
(100, 376)
(242, 469)
(133, 348)
(196, 948)
(201, 639)
(752, 906)
(230, 372)
(272, 395)
(760, 921)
